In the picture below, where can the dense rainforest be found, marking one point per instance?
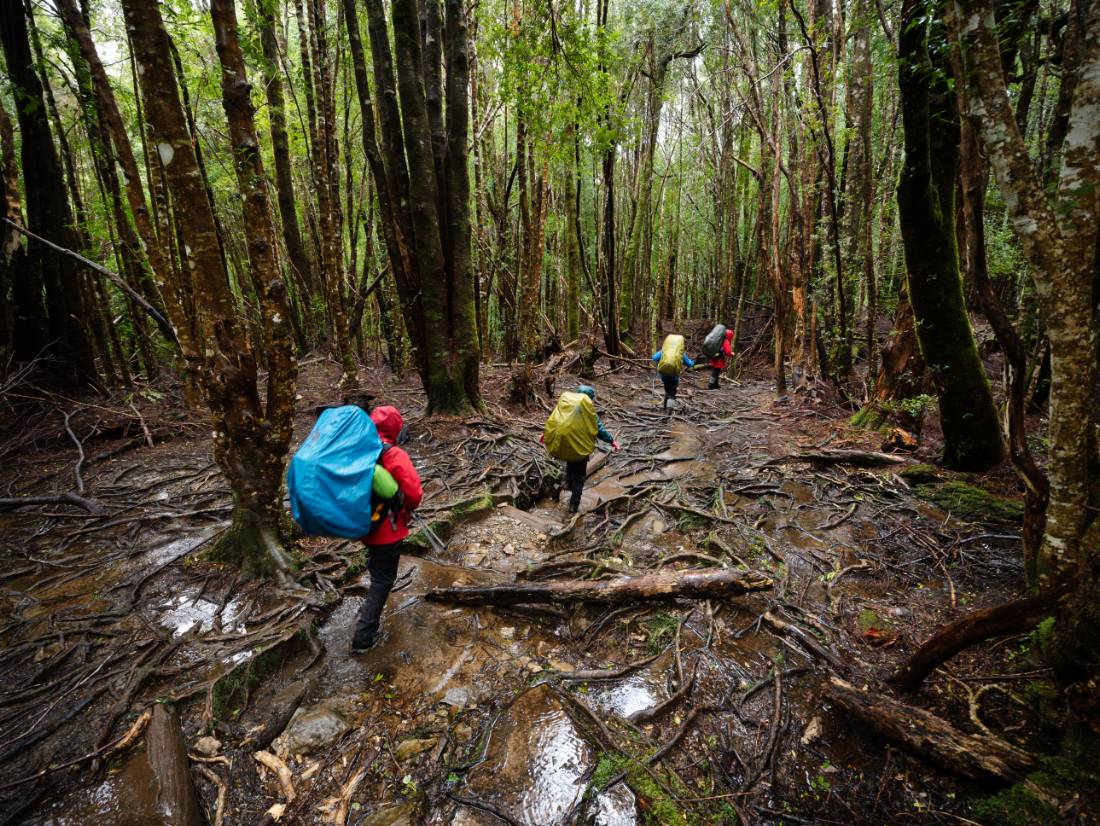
(854, 579)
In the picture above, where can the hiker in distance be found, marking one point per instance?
(671, 360)
(570, 435)
(718, 359)
(389, 530)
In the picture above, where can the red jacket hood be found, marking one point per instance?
(388, 421)
(729, 333)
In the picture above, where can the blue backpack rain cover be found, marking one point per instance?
(330, 476)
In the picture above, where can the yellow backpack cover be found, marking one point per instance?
(570, 432)
(672, 356)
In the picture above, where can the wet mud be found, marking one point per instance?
(687, 712)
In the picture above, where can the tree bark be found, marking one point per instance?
(326, 180)
(165, 285)
(701, 584)
(430, 209)
(1058, 234)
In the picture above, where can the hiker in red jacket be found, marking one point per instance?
(384, 540)
(718, 363)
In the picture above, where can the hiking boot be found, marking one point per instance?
(358, 647)
(363, 647)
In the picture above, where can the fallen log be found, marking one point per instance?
(1013, 617)
(971, 755)
(702, 584)
(167, 756)
(859, 458)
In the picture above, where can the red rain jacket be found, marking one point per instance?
(719, 360)
(389, 422)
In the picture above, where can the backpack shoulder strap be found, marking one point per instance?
(382, 452)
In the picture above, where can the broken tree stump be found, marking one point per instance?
(702, 584)
(167, 756)
(926, 735)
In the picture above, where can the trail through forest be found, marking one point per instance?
(540, 712)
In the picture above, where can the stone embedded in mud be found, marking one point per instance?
(311, 729)
(410, 748)
(536, 761)
(393, 816)
(458, 697)
(616, 807)
(207, 746)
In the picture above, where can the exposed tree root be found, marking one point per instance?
(1013, 617)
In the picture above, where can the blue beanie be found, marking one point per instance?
(588, 390)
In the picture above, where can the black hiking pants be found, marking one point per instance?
(575, 474)
(382, 564)
(715, 372)
(671, 384)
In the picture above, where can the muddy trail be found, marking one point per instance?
(550, 712)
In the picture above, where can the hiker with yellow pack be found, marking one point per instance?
(570, 435)
(671, 360)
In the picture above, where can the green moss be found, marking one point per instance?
(869, 417)
(610, 764)
(1015, 806)
(464, 509)
(1043, 636)
(659, 628)
(1045, 699)
(969, 502)
(870, 621)
(658, 809)
(1032, 801)
(921, 474)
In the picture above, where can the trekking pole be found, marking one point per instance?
(433, 539)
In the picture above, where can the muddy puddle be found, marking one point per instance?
(126, 797)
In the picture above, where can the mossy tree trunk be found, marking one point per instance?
(534, 196)
(926, 202)
(249, 441)
(1057, 225)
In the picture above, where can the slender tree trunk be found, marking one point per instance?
(572, 191)
(280, 146)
